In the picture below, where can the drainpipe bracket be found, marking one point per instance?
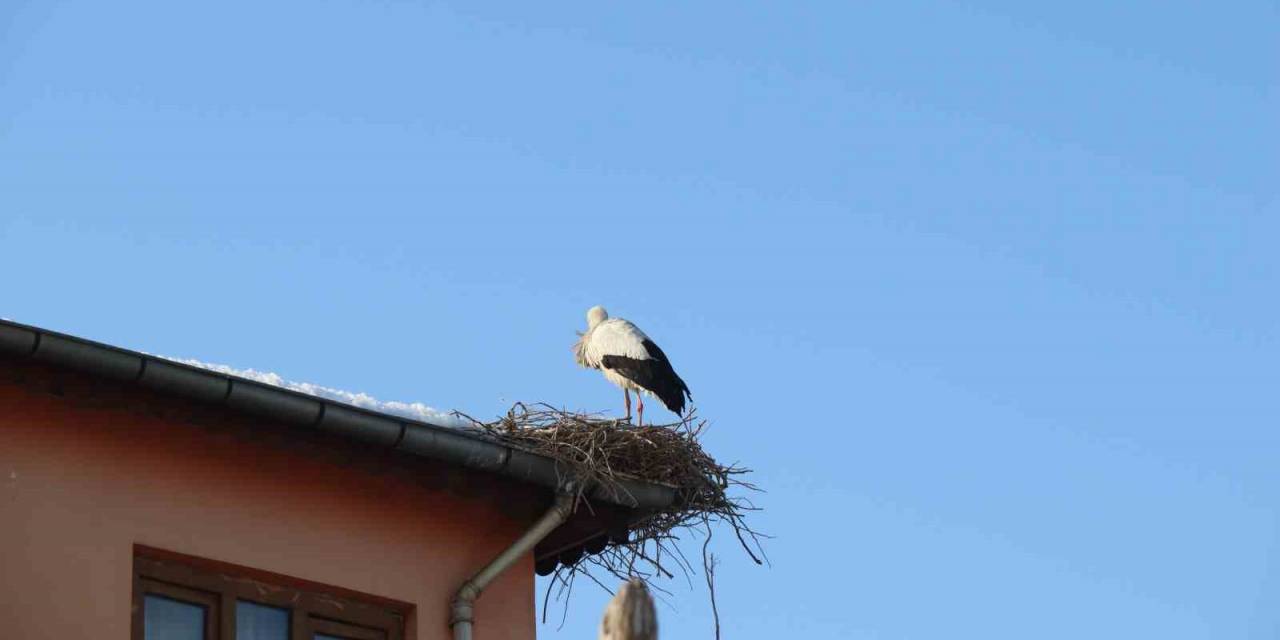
(461, 611)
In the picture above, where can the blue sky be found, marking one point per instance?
(986, 293)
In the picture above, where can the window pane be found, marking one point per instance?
(333, 630)
(166, 619)
(259, 622)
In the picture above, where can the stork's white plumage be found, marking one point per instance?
(629, 359)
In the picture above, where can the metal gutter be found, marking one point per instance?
(422, 439)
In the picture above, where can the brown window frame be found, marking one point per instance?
(216, 586)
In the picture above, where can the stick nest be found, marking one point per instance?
(601, 452)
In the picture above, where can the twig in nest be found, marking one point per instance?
(597, 452)
(709, 570)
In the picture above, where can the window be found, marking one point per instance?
(182, 598)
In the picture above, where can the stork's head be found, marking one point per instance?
(596, 315)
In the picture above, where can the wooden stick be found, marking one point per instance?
(630, 615)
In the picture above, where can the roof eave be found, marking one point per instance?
(422, 439)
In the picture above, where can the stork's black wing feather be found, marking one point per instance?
(654, 374)
(654, 350)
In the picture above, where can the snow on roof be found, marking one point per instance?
(411, 410)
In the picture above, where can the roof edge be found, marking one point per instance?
(421, 439)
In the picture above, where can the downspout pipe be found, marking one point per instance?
(462, 610)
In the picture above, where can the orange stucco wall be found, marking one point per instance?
(82, 481)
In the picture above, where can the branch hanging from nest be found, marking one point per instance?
(600, 452)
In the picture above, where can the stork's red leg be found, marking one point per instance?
(626, 395)
(640, 409)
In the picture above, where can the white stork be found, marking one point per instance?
(629, 359)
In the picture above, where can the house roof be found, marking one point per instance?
(469, 448)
